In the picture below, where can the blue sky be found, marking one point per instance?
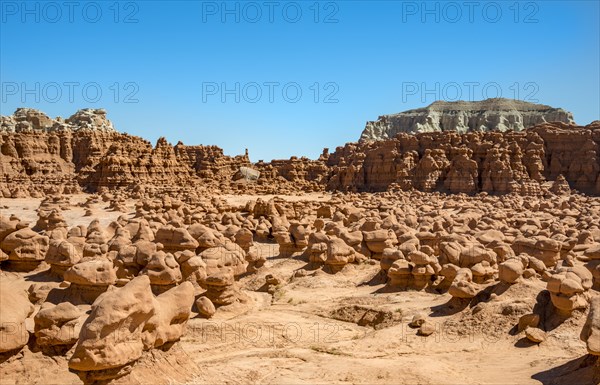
(306, 74)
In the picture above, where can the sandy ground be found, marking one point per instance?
(293, 341)
(289, 338)
(25, 209)
(292, 336)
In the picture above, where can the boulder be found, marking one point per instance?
(535, 335)
(58, 324)
(590, 334)
(463, 286)
(220, 288)
(205, 307)
(569, 288)
(15, 309)
(26, 249)
(111, 336)
(163, 270)
(172, 311)
(339, 254)
(92, 272)
(175, 239)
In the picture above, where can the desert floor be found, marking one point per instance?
(308, 332)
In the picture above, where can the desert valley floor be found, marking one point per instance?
(294, 322)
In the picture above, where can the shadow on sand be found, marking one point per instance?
(584, 370)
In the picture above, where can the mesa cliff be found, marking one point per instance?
(498, 114)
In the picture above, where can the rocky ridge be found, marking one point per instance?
(44, 156)
(493, 162)
(497, 114)
(38, 158)
(31, 120)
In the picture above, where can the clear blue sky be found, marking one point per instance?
(170, 61)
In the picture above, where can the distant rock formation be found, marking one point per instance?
(497, 114)
(37, 160)
(30, 120)
(40, 155)
(494, 162)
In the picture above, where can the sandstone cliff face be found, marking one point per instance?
(209, 161)
(572, 153)
(43, 160)
(488, 115)
(300, 173)
(40, 155)
(495, 162)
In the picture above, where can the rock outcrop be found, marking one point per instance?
(15, 310)
(25, 248)
(30, 120)
(112, 336)
(590, 333)
(41, 156)
(569, 288)
(493, 162)
(58, 325)
(488, 115)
